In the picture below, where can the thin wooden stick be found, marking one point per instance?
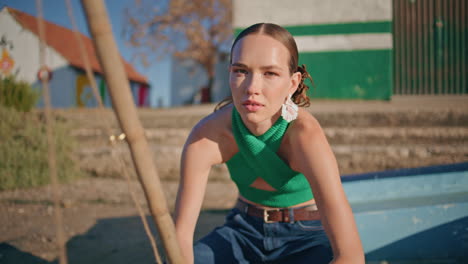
(44, 79)
(90, 75)
(125, 109)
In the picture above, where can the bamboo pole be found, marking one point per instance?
(119, 89)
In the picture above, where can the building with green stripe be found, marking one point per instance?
(346, 45)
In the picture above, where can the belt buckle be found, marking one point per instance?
(266, 215)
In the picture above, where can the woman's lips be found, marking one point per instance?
(252, 106)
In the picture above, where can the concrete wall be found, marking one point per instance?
(304, 12)
(221, 88)
(346, 44)
(188, 78)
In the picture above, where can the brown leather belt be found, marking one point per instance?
(284, 215)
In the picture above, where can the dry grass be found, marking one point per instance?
(23, 150)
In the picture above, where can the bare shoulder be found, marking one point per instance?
(213, 137)
(305, 127)
(308, 146)
(215, 125)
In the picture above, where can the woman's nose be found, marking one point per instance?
(253, 84)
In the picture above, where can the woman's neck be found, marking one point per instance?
(261, 128)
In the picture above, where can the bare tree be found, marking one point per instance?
(187, 29)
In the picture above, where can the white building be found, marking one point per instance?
(69, 86)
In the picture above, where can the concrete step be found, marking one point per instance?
(351, 158)
(396, 118)
(397, 135)
(335, 135)
(418, 111)
(365, 135)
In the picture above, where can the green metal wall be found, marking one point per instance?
(431, 46)
(358, 67)
(363, 74)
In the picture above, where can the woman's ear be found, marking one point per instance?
(295, 81)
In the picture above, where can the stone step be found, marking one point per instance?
(335, 135)
(400, 112)
(365, 135)
(360, 158)
(397, 135)
(412, 118)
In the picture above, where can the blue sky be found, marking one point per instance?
(55, 11)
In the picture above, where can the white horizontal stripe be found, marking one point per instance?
(370, 41)
(309, 12)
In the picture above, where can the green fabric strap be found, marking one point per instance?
(258, 158)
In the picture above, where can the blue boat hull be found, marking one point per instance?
(412, 216)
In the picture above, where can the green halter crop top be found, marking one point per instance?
(257, 158)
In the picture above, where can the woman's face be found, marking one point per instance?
(260, 80)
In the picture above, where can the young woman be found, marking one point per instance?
(291, 206)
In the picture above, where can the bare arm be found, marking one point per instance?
(313, 157)
(200, 153)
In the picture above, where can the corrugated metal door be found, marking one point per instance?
(430, 46)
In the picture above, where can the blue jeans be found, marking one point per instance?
(247, 239)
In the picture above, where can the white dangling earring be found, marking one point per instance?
(289, 110)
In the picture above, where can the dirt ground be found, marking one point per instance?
(101, 221)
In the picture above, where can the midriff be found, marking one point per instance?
(310, 202)
(261, 184)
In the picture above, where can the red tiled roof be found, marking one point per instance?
(63, 41)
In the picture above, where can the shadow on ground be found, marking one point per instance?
(113, 240)
(123, 241)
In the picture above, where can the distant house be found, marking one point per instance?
(188, 81)
(69, 86)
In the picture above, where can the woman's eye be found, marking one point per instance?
(271, 74)
(240, 71)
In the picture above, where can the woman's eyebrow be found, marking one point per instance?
(237, 64)
(267, 67)
(271, 67)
